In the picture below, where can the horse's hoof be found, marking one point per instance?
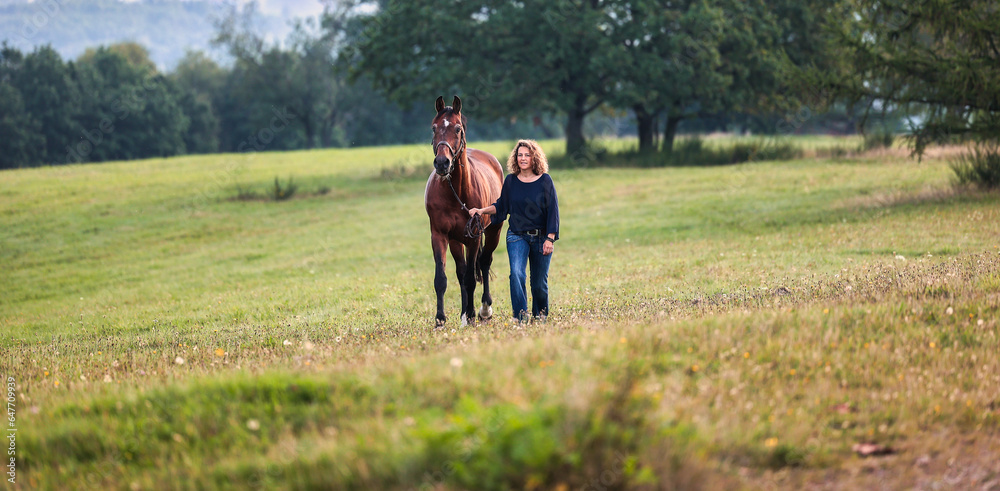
(465, 320)
(485, 313)
(439, 323)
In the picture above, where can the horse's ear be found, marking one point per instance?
(456, 106)
(439, 104)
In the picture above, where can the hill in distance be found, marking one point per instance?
(166, 27)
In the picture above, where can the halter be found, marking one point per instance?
(474, 227)
(454, 154)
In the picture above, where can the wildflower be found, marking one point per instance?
(949, 311)
(179, 360)
(253, 424)
(622, 340)
(771, 442)
(933, 344)
(286, 342)
(57, 383)
(219, 352)
(694, 368)
(456, 362)
(791, 372)
(746, 355)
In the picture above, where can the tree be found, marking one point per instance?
(671, 63)
(737, 57)
(129, 112)
(51, 102)
(509, 58)
(300, 79)
(941, 57)
(21, 137)
(200, 81)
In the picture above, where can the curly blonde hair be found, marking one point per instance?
(539, 164)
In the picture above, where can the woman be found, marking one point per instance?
(529, 197)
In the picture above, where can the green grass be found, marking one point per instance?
(738, 326)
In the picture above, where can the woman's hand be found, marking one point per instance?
(474, 211)
(548, 247)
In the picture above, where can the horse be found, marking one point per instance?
(462, 178)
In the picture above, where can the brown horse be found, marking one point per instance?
(463, 178)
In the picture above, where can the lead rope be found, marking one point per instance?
(474, 227)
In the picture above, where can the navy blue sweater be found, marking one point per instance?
(531, 205)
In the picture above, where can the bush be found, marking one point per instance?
(882, 138)
(692, 151)
(245, 193)
(980, 166)
(281, 193)
(760, 150)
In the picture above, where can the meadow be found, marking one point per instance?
(744, 326)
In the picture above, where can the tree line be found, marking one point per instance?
(365, 71)
(112, 103)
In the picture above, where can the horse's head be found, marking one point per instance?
(448, 137)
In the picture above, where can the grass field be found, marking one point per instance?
(741, 326)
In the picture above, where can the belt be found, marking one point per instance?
(533, 232)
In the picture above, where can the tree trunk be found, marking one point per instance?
(646, 122)
(329, 125)
(656, 130)
(310, 129)
(670, 131)
(575, 142)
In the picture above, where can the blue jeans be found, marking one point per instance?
(524, 250)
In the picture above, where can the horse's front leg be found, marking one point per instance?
(461, 271)
(439, 245)
(469, 291)
(492, 239)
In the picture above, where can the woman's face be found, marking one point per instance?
(524, 158)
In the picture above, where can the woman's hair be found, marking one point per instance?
(539, 164)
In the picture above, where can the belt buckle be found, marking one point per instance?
(534, 233)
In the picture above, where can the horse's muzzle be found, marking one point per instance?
(442, 165)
